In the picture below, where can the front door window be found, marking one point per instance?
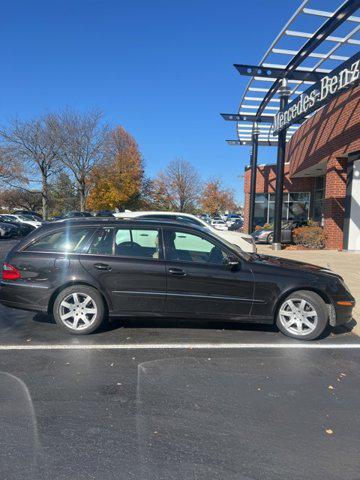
(187, 247)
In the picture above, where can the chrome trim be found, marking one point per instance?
(22, 284)
(192, 295)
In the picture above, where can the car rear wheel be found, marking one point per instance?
(303, 315)
(79, 309)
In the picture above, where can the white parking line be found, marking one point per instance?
(186, 346)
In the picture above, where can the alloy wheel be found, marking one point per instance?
(78, 311)
(298, 316)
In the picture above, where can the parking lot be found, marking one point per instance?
(166, 399)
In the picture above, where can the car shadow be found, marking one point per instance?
(155, 322)
(116, 323)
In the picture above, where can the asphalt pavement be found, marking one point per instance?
(170, 399)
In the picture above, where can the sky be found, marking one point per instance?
(161, 69)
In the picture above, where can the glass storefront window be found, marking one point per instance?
(295, 207)
(318, 205)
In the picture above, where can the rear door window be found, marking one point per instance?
(102, 242)
(137, 242)
(68, 240)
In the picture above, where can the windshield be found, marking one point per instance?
(24, 217)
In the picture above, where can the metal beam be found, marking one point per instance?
(247, 143)
(351, 41)
(325, 56)
(275, 72)
(321, 13)
(280, 166)
(235, 117)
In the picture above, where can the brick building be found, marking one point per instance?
(322, 174)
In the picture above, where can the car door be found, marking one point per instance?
(127, 264)
(200, 278)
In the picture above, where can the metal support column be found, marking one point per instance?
(254, 154)
(280, 164)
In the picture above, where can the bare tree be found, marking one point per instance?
(177, 187)
(81, 146)
(34, 142)
(20, 198)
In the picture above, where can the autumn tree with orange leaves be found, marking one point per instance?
(116, 182)
(215, 199)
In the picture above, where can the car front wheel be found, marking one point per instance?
(302, 315)
(79, 309)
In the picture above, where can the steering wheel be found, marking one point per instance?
(128, 244)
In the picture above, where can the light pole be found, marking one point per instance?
(253, 164)
(280, 164)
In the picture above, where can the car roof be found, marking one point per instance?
(138, 213)
(100, 221)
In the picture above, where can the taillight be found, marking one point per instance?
(9, 272)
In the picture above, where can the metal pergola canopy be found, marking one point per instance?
(312, 43)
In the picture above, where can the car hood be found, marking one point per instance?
(232, 236)
(289, 264)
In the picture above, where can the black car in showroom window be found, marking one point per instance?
(85, 270)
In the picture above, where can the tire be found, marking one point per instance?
(270, 238)
(76, 320)
(290, 322)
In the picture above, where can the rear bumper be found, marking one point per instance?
(25, 297)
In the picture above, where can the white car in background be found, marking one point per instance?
(231, 219)
(242, 240)
(24, 219)
(219, 224)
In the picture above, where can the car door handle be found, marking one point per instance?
(102, 266)
(177, 271)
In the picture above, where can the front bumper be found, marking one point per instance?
(340, 314)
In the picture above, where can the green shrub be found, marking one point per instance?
(309, 237)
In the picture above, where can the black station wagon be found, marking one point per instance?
(85, 270)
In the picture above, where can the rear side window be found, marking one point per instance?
(69, 240)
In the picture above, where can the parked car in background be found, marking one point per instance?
(237, 226)
(232, 218)
(99, 267)
(219, 224)
(34, 218)
(24, 219)
(31, 213)
(104, 213)
(266, 235)
(206, 217)
(22, 228)
(242, 240)
(7, 230)
(75, 214)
